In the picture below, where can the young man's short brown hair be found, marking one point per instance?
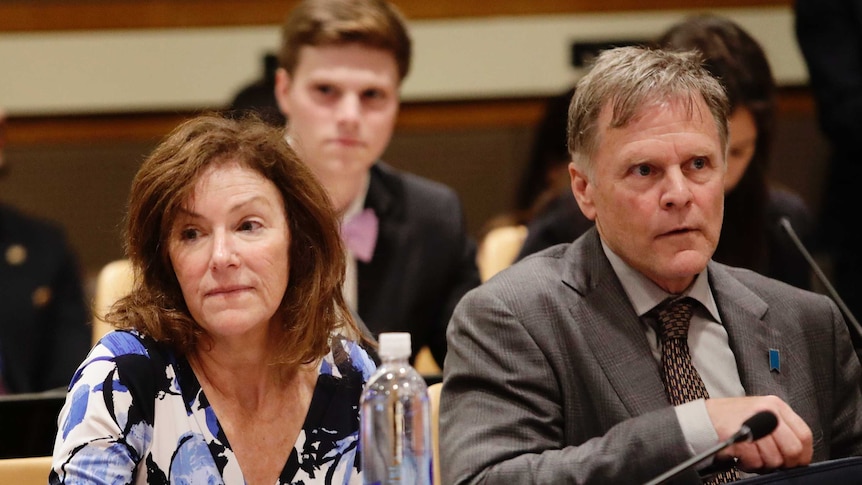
(372, 23)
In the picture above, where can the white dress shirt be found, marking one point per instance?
(707, 340)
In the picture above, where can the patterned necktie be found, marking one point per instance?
(682, 383)
(359, 234)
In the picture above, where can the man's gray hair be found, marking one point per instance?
(631, 78)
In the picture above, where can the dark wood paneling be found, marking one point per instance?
(414, 116)
(89, 129)
(43, 15)
(40, 130)
(796, 100)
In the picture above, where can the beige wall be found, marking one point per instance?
(467, 58)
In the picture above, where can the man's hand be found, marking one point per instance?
(790, 445)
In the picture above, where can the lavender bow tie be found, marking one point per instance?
(360, 234)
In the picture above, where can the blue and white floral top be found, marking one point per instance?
(136, 413)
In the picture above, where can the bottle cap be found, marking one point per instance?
(394, 345)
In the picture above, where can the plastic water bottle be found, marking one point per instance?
(395, 419)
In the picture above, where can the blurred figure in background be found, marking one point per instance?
(543, 189)
(750, 235)
(44, 320)
(409, 256)
(555, 218)
(830, 36)
(258, 97)
(547, 171)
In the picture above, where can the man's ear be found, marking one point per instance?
(583, 192)
(282, 86)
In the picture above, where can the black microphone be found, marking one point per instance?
(754, 428)
(853, 324)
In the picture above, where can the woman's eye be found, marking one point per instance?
(189, 234)
(249, 225)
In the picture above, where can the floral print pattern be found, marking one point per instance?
(136, 413)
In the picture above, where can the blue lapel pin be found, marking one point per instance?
(774, 360)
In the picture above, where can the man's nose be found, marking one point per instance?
(677, 190)
(349, 108)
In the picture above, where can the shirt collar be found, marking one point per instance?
(358, 203)
(644, 294)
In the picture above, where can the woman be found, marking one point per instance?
(750, 236)
(229, 365)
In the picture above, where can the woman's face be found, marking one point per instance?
(229, 249)
(742, 143)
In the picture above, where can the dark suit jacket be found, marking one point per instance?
(44, 322)
(550, 378)
(423, 263)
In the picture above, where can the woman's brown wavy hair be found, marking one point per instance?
(312, 307)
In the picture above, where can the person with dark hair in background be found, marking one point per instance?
(555, 217)
(751, 236)
(546, 174)
(618, 356)
(259, 96)
(542, 191)
(829, 33)
(410, 258)
(236, 358)
(44, 320)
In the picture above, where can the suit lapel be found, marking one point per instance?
(385, 196)
(611, 328)
(616, 337)
(751, 338)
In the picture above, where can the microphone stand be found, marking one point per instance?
(853, 323)
(743, 434)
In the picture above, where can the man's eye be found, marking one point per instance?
(372, 94)
(698, 163)
(643, 170)
(324, 89)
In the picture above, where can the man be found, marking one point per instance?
(44, 322)
(751, 235)
(342, 64)
(566, 367)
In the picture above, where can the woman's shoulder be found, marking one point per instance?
(123, 344)
(347, 358)
(126, 342)
(131, 353)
